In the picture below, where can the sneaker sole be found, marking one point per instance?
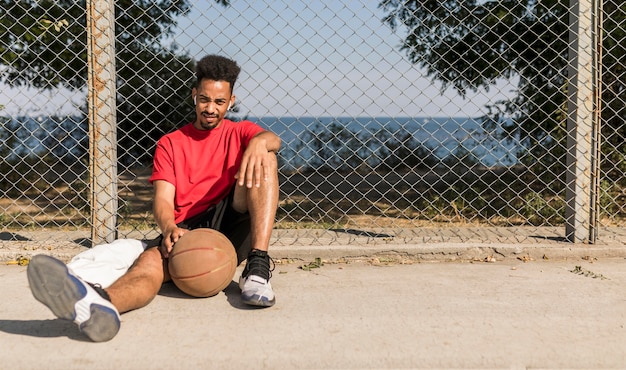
(257, 300)
(103, 324)
(53, 285)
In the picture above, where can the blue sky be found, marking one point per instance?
(300, 58)
(331, 58)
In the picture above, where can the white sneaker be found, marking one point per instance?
(256, 291)
(254, 283)
(70, 298)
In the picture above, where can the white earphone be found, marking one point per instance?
(228, 107)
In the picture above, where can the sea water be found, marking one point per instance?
(444, 136)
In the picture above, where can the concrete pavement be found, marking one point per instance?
(365, 312)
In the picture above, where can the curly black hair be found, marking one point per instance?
(217, 68)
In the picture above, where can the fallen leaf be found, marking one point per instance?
(313, 265)
(21, 261)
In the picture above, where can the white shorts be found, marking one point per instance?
(105, 263)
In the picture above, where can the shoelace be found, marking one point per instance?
(259, 263)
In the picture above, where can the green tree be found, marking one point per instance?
(401, 152)
(43, 44)
(336, 148)
(157, 99)
(470, 44)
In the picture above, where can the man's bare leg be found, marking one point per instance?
(261, 203)
(140, 284)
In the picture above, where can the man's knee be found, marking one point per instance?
(273, 163)
(244, 198)
(150, 261)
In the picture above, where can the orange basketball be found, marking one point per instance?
(202, 262)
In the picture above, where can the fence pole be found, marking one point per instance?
(582, 123)
(102, 123)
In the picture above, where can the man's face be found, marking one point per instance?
(212, 99)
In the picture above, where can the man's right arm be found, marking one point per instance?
(163, 209)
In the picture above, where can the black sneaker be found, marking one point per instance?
(256, 289)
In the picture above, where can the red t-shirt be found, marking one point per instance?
(201, 164)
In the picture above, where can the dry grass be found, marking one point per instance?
(353, 201)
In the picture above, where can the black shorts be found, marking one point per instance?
(223, 218)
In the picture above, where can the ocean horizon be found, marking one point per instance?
(444, 136)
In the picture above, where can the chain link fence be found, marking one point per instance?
(453, 120)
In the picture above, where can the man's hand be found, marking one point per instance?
(170, 236)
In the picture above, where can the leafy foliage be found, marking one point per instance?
(43, 44)
(470, 44)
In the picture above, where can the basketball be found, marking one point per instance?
(202, 262)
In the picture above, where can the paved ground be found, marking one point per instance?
(371, 312)
(383, 299)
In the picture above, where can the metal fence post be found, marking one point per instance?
(102, 123)
(582, 123)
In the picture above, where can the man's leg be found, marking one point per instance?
(93, 309)
(141, 283)
(261, 203)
